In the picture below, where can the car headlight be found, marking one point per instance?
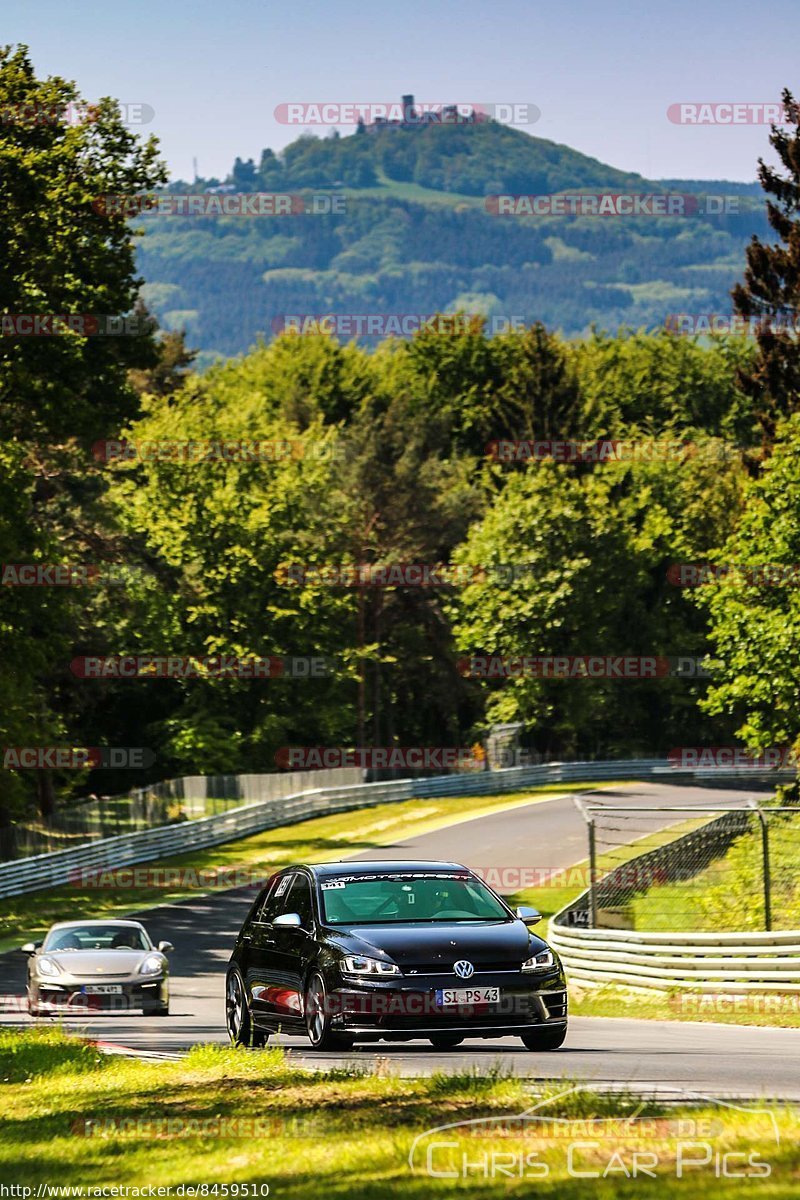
(540, 962)
(46, 966)
(357, 964)
(152, 965)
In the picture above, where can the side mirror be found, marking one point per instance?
(291, 919)
(30, 947)
(165, 947)
(531, 916)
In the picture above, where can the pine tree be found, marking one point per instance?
(769, 298)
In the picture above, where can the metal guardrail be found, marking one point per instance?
(66, 866)
(62, 866)
(513, 779)
(735, 963)
(187, 797)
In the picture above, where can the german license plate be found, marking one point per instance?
(102, 989)
(476, 995)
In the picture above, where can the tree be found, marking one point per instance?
(754, 608)
(171, 369)
(229, 529)
(581, 568)
(414, 492)
(540, 395)
(770, 294)
(65, 248)
(640, 384)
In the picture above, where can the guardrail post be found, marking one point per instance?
(766, 871)
(592, 875)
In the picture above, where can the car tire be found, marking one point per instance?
(238, 1021)
(445, 1041)
(544, 1039)
(238, 1018)
(161, 1010)
(318, 1021)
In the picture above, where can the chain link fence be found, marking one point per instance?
(166, 803)
(691, 867)
(105, 816)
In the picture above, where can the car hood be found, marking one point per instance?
(103, 963)
(415, 945)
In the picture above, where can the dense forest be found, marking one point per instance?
(208, 514)
(419, 233)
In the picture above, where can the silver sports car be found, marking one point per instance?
(108, 965)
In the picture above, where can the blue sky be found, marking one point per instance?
(603, 75)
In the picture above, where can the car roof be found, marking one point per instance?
(381, 866)
(93, 921)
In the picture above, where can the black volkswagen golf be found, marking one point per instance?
(352, 951)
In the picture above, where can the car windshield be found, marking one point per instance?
(390, 899)
(97, 937)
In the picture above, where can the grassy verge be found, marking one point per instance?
(768, 1010)
(396, 189)
(564, 886)
(729, 894)
(316, 840)
(224, 1116)
(765, 1010)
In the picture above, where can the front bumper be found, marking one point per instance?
(70, 995)
(412, 1009)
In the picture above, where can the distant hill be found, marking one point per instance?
(416, 238)
(472, 160)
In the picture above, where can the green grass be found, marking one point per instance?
(665, 907)
(330, 837)
(76, 1117)
(396, 189)
(564, 886)
(769, 1010)
(729, 894)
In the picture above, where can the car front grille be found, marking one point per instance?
(442, 968)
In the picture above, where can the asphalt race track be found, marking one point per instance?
(706, 1058)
